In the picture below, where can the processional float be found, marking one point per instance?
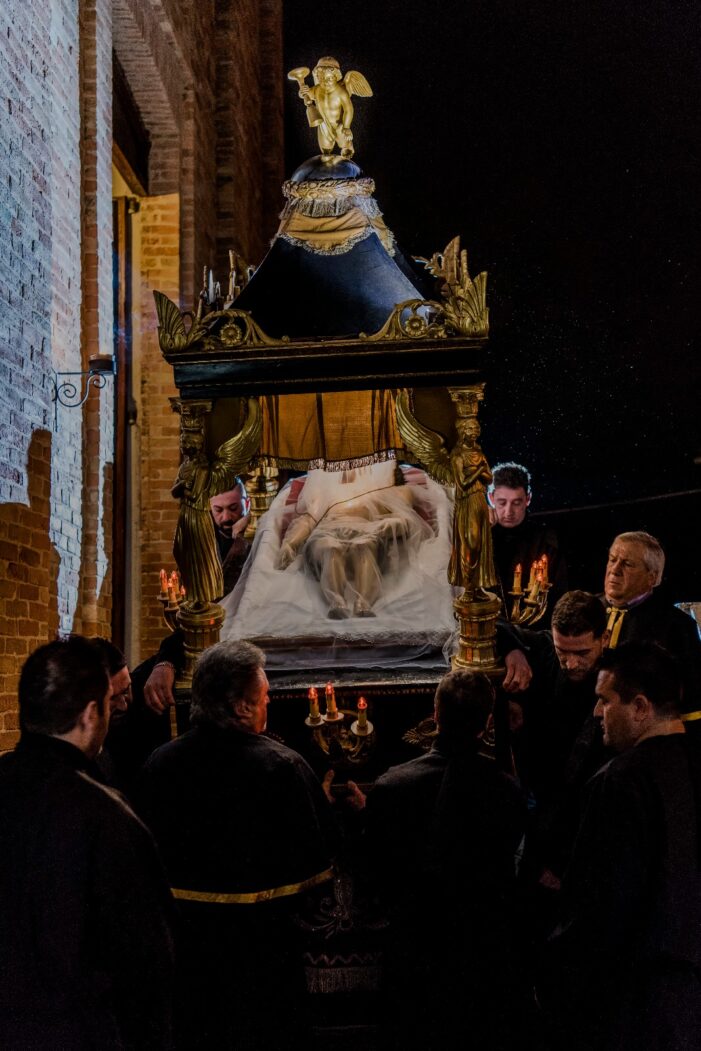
(336, 324)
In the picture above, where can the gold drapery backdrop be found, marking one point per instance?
(335, 430)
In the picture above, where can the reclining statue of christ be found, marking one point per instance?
(351, 535)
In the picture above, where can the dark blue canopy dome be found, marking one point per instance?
(333, 269)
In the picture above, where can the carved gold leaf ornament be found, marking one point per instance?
(465, 306)
(415, 326)
(172, 334)
(228, 328)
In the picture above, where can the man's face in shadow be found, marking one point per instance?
(229, 511)
(510, 505)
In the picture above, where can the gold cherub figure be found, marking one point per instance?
(328, 102)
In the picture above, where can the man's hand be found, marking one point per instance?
(354, 797)
(158, 691)
(518, 672)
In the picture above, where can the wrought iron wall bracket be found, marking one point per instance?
(67, 390)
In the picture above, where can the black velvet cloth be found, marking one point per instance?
(86, 949)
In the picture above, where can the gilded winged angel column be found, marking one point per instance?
(195, 548)
(464, 466)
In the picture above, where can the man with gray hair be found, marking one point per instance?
(244, 829)
(638, 613)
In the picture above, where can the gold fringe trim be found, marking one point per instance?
(319, 463)
(253, 897)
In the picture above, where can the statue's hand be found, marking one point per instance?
(286, 557)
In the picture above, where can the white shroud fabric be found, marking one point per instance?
(406, 530)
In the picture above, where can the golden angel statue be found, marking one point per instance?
(328, 102)
(195, 545)
(464, 466)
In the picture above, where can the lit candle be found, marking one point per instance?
(517, 578)
(331, 708)
(362, 714)
(544, 564)
(164, 583)
(313, 703)
(171, 595)
(531, 577)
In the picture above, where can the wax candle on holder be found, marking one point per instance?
(313, 695)
(164, 584)
(531, 576)
(331, 709)
(517, 578)
(362, 714)
(544, 564)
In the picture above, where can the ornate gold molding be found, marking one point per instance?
(465, 306)
(416, 326)
(219, 328)
(328, 189)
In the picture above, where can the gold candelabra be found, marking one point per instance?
(340, 742)
(171, 595)
(530, 603)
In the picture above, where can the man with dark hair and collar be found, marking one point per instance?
(623, 966)
(85, 938)
(637, 612)
(244, 828)
(517, 539)
(230, 511)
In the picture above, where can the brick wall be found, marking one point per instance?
(40, 298)
(160, 268)
(56, 276)
(93, 616)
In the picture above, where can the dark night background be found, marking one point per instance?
(560, 140)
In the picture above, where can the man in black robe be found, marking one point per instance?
(442, 831)
(244, 828)
(638, 611)
(624, 964)
(146, 723)
(86, 953)
(560, 745)
(519, 540)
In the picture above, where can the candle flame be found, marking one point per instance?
(362, 704)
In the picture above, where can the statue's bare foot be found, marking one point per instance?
(338, 613)
(362, 609)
